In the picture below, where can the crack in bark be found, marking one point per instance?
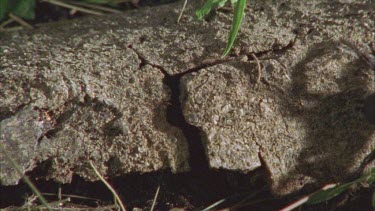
(198, 159)
(280, 50)
(142, 60)
(212, 62)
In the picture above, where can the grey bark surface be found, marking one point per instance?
(303, 120)
(72, 94)
(92, 89)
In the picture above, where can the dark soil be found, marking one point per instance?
(190, 191)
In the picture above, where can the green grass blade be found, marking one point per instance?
(3, 8)
(328, 194)
(200, 13)
(237, 20)
(25, 9)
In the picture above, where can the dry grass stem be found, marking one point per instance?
(10, 20)
(304, 199)
(81, 9)
(115, 195)
(155, 197)
(25, 178)
(182, 11)
(94, 6)
(20, 21)
(259, 67)
(71, 196)
(12, 29)
(213, 205)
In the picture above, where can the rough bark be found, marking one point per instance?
(95, 89)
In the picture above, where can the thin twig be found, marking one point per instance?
(155, 197)
(25, 178)
(62, 4)
(94, 6)
(182, 11)
(117, 198)
(259, 67)
(20, 21)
